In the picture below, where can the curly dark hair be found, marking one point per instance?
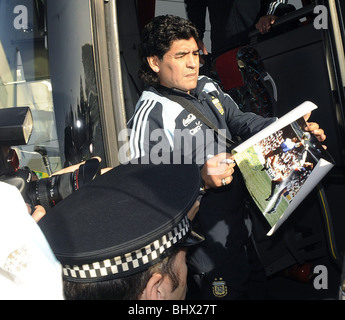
(156, 40)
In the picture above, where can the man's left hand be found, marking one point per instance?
(264, 24)
(314, 128)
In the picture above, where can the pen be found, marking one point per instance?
(227, 161)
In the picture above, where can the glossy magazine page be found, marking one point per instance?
(282, 164)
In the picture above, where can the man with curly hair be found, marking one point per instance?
(170, 68)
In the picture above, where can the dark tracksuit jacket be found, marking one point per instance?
(159, 126)
(231, 20)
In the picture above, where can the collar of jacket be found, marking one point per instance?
(195, 93)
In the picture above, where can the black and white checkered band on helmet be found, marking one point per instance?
(130, 262)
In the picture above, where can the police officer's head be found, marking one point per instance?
(124, 234)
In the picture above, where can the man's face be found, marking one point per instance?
(179, 67)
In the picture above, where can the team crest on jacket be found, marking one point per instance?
(218, 105)
(219, 288)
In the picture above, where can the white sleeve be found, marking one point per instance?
(28, 267)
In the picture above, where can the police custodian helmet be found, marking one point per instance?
(123, 221)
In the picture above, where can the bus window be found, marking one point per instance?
(59, 87)
(25, 80)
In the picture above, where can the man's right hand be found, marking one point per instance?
(218, 170)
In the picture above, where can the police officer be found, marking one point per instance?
(124, 235)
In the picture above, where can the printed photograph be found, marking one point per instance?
(276, 167)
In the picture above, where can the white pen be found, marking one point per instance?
(227, 161)
(209, 156)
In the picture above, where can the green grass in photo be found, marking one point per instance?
(258, 183)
